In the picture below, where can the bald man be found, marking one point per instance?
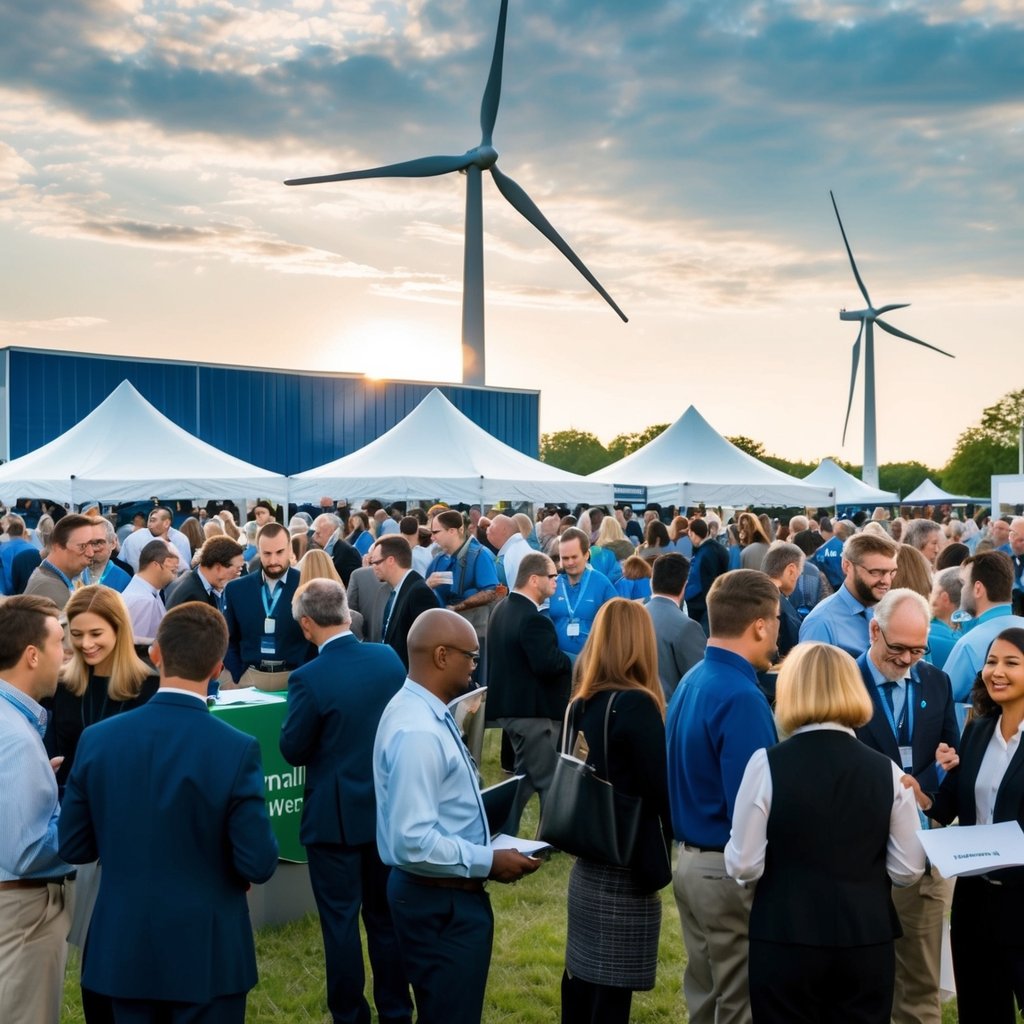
(432, 829)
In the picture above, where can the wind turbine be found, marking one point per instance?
(868, 318)
(472, 163)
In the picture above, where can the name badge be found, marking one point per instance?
(573, 629)
(906, 758)
(267, 649)
(269, 625)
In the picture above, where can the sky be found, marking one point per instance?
(684, 149)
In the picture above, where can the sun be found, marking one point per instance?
(399, 350)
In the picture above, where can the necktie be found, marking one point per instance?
(388, 609)
(902, 731)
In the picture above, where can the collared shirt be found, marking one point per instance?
(145, 608)
(510, 554)
(29, 807)
(465, 583)
(716, 719)
(331, 639)
(573, 608)
(840, 620)
(998, 755)
(430, 815)
(899, 692)
(135, 542)
(941, 640)
(187, 693)
(969, 652)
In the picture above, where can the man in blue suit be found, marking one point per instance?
(334, 705)
(170, 800)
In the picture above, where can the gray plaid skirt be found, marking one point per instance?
(613, 928)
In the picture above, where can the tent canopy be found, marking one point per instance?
(125, 449)
(929, 493)
(849, 490)
(691, 462)
(1007, 489)
(437, 451)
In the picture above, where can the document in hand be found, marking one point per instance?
(527, 847)
(974, 849)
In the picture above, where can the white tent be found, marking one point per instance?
(929, 493)
(849, 490)
(436, 451)
(691, 462)
(1007, 489)
(126, 449)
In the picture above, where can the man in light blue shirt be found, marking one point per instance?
(579, 593)
(987, 588)
(869, 565)
(432, 828)
(33, 920)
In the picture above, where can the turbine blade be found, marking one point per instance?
(424, 167)
(896, 332)
(520, 201)
(891, 307)
(492, 93)
(849, 252)
(853, 378)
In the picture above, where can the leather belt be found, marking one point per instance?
(32, 883)
(272, 666)
(462, 884)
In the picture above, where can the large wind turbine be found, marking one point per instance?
(868, 318)
(472, 163)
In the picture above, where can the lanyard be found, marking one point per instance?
(103, 576)
(49, 565)
(908, 712)
(268, 604)
(584, 583)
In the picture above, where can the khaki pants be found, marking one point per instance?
(715, 915)
(268, 681)
(34, 927)
(922, 909)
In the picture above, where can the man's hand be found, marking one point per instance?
(55, 763)
(923, 800)
(946, 757)
(511, 865)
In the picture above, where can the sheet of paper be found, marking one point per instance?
(974, 849)
(527, 847)
(246, 695)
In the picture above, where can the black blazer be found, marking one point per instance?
(190, 588)
(527, 675)
(934, 722)
(346, 559)
(414, 598)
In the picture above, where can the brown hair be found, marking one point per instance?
(738, 599)
(395, 546)
(193, 639)
(22, 625)
(912, 571)
(994, 571)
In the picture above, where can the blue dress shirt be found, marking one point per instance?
(969, 653)
(578, 604)
(840, 620)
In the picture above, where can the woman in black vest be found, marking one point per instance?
(822, 823)
(987, 922)
(615, 912)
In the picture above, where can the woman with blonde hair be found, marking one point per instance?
(610, 536)
(615, 912)
(912, 572)
(822, 823)
(316, 564)
(230, 526)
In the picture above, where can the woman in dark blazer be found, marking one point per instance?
(987, 922)
(615, 912)
(822, 824)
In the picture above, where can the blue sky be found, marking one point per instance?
(685, 150)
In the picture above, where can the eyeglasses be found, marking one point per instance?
(877, 574)
(914, 652)
(474, 656)
(434, 533)
(79, 549)
(377, 561)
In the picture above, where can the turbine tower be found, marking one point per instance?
(868, 318)
(472, 163)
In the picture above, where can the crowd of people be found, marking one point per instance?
(789, 701)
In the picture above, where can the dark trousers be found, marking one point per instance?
(586, 1003)
(792, 984)
(445, 936)
(225, 1010)
(988, 950)
(97, 1009)
(343, 879)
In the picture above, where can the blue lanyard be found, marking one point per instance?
(103, 576)
(564, 580)
(268, 605)
(49, 565)
(908, 712)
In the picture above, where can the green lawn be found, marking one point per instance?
(526, 966)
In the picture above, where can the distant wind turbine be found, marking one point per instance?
(868, 318)
(471, 163)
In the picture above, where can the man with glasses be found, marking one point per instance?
(914, 724)
(869, 564)
(102, 570)
(391, 561)
(70, 552)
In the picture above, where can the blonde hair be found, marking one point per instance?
(912, 571)
(620, 653)
(317, 565)
(230, 526)
(128, 670)
(820, 683)
(609, 530)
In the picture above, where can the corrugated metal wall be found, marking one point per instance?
(285, 422)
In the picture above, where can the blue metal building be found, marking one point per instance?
(283, 420)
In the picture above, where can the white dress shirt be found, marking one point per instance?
(998, 755)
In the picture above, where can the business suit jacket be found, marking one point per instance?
(334, 704)
(681, 641)
(528, 675)
(244, 611)
(170, 799)
(368, 595)
(190, 588)
(346, 559)
(934, 722)
(414, 597)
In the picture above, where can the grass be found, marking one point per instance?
(526, 965)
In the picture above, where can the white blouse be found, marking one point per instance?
(998, 755)
(748, 841)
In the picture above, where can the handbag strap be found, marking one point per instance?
(607, 718)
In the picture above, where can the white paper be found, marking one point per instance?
(527, 847)
(974, 849)
(246, 695)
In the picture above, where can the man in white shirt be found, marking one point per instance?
(158, 566)
(158, 527)
(511, 546)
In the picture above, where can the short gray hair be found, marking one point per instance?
(918, 531)
(950, 581)
(893, 599)
(324, 601)
(328, 517)
(779, 557)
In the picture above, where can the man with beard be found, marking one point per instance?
(869, 565)
(264, 642)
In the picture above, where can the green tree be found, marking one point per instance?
(987, 448)
(749, 445)
(624, 444)
(903, 477)
(576, 451)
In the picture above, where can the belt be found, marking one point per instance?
(32, 883)
(703, 849)
(462, 884)
(273, 666)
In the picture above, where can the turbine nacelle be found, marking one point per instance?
(484, 157)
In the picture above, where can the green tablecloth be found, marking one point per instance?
(284, 783)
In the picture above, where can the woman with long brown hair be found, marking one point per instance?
(615, 912)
